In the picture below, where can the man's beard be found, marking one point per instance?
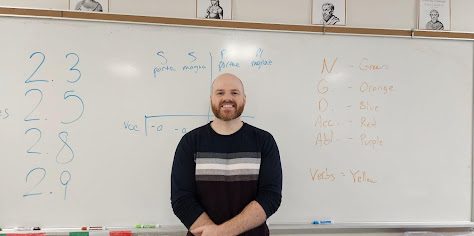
(227, 116)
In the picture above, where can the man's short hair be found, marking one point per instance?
(434, 11)
(328, 4)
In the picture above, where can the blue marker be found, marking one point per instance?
(325, 222)
(322, 222)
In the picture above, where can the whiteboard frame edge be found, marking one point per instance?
(472, 139)
(59, 15)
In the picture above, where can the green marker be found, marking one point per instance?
(146, 226)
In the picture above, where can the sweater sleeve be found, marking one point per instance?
(270, 177)
(183, 184)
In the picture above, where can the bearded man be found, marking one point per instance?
(328, 14)
(434, 23)
(226, 177)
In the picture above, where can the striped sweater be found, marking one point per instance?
(221, 174)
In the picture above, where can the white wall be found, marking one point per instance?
(397, 14)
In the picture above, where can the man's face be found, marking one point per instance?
(327, 11)
(227, 98)
(213, 2)
(434, 16)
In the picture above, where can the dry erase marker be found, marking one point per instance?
(322, 222)
(326, 222)
(21, 228)
(92, 228)
(146, 226)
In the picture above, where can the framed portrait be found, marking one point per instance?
(89, 5)
(329, 12)
(434, 14)
(214, 9)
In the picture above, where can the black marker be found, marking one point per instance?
(27, 228)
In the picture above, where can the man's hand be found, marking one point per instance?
(251, 216)
(201, 221)
(209, 230)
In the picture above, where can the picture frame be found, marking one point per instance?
(328, 12)
(434, 14)
(89, 5)
(214, 9)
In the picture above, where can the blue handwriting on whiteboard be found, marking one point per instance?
(228, 64)
(4, 114)
(27, 118)
(258, 62)
(64, 178)
(163, 116)
(164, 65)
(63, 137)
(160, 69)
(223, 63)
(161, 128)
(43, 58)
(70, 95)
(164, 60)
(183, 130)
(29, 151)
(193, 67)
(132, 127)
(43, 173)
(73, 68)
(194, 58)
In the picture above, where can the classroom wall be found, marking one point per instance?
(391, 14)
(399, 14)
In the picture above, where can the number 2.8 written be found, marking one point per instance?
(65, 155)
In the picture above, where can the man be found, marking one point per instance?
(226, 177)
(434, 23)
(215, 11)
(328, 17)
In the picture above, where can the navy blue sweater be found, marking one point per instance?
(221, 174)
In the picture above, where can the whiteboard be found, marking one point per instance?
(370, 129)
